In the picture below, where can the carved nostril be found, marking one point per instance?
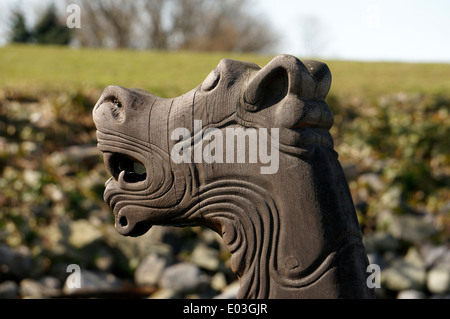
(116, 108)
(117, 103)
(132, 223)
(123, 222)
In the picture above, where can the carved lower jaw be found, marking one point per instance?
(133, 214)
(131, 218)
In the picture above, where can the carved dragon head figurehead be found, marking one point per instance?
(247, 153)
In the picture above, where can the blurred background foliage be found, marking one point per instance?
(391, 129)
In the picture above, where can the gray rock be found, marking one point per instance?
(391, 198)
(411, 294)
(166, 294)
(184, 278)
(16, 261)
(50, 282)
(34, 289)
(53, 192)
(434, 254)
(218, 281)
(230, 292)
(413, 228)
(403, 276)
(438, 279)
(83, 233)
(413, 256)
(150, 270)
(206, 257)
(211, 238)
(93, 281)
(135, 250)
(380, 242)
(373, 181)
(8, 290)
(407, 273)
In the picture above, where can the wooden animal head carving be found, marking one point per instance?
(247, 153)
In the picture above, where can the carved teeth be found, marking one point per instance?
(121, 177)
(123, 168)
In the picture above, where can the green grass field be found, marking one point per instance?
(37, 68)
(59, 68)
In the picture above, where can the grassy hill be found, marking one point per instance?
(169, 74)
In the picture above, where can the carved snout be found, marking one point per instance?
(112, 103)
(121, 103)
(124, 110)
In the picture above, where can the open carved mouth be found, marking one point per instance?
(131, 175)
(124, 168)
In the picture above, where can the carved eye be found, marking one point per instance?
(211, 80)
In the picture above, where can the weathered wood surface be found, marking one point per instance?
(283, 208)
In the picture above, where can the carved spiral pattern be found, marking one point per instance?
(247, 218)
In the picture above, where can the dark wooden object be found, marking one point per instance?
(291, 229)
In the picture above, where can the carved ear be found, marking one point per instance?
(285, 74)
(321, 75)
(268, 87)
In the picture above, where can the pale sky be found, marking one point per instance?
(392, 30)
(368, 30)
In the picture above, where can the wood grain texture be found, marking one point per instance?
(292, 230)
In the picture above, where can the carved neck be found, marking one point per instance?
(281, 242)
(246, 217)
